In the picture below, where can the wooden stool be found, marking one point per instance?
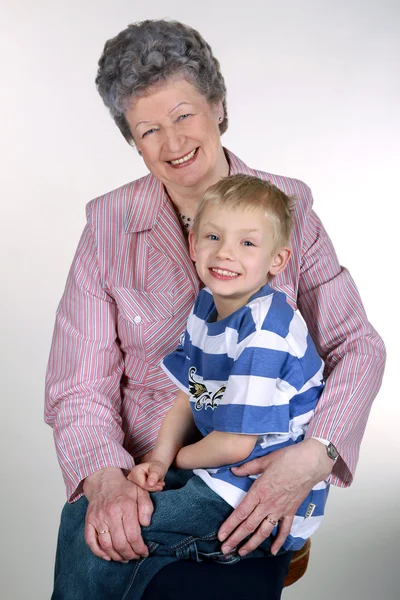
(298, 564)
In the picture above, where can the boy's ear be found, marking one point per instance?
(279, 261)
(192, 245)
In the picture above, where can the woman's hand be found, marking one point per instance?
(149, 475)
(117, 508)
(288, 476)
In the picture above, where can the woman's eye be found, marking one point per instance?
(185, 116)
(148, 132)
(248, 243)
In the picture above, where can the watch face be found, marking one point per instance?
(332, 452)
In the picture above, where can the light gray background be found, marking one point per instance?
(313, 92)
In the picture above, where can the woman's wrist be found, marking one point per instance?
(102, 479)
(323, 464)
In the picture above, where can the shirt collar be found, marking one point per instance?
(215, 327)
(266, 290)
(146, 196)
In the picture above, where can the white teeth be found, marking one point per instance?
(184, 158)
(226, 273)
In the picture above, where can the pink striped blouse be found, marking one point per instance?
(129, 291)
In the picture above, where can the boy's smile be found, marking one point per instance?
(234, 254)
(223, 274)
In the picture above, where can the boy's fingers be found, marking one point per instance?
(137, 476)
(156, 473)
(155, 488)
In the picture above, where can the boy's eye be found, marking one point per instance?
(212, 237)
(248, 243)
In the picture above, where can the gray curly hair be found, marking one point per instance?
(150, 52)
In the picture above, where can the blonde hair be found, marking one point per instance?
(247, 191)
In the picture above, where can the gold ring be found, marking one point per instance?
(271, 521)
(103, 531)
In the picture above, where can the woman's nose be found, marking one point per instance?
(173, 140)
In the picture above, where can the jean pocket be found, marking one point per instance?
(209, 550)
(218, 557)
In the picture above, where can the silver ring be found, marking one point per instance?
(103, 531)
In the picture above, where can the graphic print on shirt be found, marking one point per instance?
(198, 390)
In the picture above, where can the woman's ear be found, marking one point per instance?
(192, 245)
(219, 112)
(279, 261)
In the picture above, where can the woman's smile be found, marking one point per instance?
(185, 160)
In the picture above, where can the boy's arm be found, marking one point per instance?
(177, 429)
(216, 449)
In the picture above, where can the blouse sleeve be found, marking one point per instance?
(353, 352)
(83, 375)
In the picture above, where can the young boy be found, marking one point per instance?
(248, 374)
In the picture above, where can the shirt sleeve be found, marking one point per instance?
(83, 376)
(353, 352)
(261, 385)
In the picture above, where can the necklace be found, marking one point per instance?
(187, 222)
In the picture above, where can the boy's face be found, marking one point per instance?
(234, 253)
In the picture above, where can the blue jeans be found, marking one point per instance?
(184, 526)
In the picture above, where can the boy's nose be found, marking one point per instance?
(225, 251)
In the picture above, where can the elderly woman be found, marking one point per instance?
(127, 298)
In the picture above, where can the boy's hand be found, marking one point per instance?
(149, 475)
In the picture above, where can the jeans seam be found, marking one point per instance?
(191, 539)
(152, 546)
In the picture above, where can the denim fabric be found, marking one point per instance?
(184, 525)
(79, 574)
(186, 519)
(251, 579)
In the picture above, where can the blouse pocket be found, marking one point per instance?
(148, 326)
(144, 307)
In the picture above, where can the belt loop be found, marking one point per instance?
(188, 552)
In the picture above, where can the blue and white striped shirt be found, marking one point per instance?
(255, 372)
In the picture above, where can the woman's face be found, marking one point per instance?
(177, 132)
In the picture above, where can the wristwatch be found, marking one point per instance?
(330, 449)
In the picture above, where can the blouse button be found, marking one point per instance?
(137, 319)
